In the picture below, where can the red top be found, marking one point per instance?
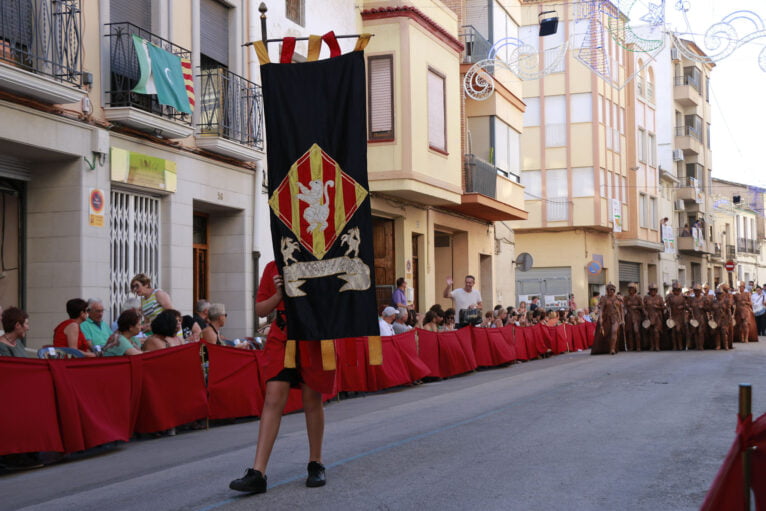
(59, 337)
(266, 289)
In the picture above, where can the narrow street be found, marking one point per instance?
(639, 431)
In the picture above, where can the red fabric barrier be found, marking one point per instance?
(234, 384)
(96, 400)
(172, 388)
(726, 492)
(28, 422)
(352, 364)
(466, 343)
(428, 346)
(533, 338)
(407, 345)
(392, 372)
(578, 336)
(590, 329)
(481, 347)
(502, 351)
(452, 359)
(563, 338)
(512, 337)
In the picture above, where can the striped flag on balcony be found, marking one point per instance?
(161, 74)
(188, 80)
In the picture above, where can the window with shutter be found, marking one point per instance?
(437, 126)
(381, 97)
(137, 12)
(214, 31)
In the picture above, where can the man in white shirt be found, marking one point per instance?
(465, 298)
(385, 321)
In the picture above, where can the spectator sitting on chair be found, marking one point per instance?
(216, 320)
(94, 328)
(15, 324)
(449, 321)
(164, 331)
(433, 319)
(67, 334)
(385, 321)
(122, 341)
(400, 326)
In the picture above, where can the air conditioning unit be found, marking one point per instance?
(674, 54)
(680, 205)
(678, 155)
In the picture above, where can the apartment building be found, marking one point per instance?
(575, 158)
(693, 160)
(434, 203)
(100, 181)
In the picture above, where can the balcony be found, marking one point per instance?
(140, 111)
(41, 50)
(488, 195)
(730, 252)
(689, 140)
(717, 251)
(231, 115)
(476, 46)
(687, 91)
(694, 246)
(747, 246)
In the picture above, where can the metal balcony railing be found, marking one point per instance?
(480, 176)
(476, 46)
(747, 245)
(43, 37)
(688, 131)
(231, 107)
(125, 71)
(717, 250)
(687, 80)
(731, 253)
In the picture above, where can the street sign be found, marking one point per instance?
(730, 266)
(594, 267)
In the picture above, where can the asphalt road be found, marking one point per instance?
(636, 431)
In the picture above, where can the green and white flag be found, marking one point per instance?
(161, 74)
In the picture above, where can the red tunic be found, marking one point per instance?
(309, 352)
(60, 340)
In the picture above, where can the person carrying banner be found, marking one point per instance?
(307, 375)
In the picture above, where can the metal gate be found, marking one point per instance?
(630, 272)
(134, 243)
(544, 282)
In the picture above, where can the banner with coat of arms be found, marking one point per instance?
(321, 222)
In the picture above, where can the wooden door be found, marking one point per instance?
(415, 284)
(384, 257)
(201, 263)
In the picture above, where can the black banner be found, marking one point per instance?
(321, 224)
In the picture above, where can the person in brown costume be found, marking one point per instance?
(677, 308)
(743, 310)
(699, 307)
(720, 313)
(654, 307)
(727, 301)
(634, 312)
(610, 316)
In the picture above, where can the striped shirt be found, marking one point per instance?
(151, 307)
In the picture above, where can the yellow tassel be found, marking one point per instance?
(362, 42)
(328, 354)
(375, 347)
(315, 46)
(262, 52)
(290, 354)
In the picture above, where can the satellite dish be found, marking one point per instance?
(524, 261)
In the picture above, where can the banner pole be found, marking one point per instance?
(745, 409)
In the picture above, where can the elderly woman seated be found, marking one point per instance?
(165, 328)
(216, 320)
(122, 342)
(15, 325)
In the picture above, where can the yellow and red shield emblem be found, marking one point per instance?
(316, 199)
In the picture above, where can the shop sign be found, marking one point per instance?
(143, 170)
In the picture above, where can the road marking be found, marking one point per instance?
(377, 450)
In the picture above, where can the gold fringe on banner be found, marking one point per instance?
(315, 46)
(263, 54)
(290, 347)
(375, 347)
(362, 42)
(328, 354)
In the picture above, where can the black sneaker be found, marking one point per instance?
(252, 482)
(316, 476)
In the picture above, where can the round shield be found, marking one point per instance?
(693, 322)
(670, 323)
(712, 324)
(646, 323)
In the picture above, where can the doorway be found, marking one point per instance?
(384, 258)
(201, 249)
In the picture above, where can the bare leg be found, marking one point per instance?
(273, 406)
(312, 407)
